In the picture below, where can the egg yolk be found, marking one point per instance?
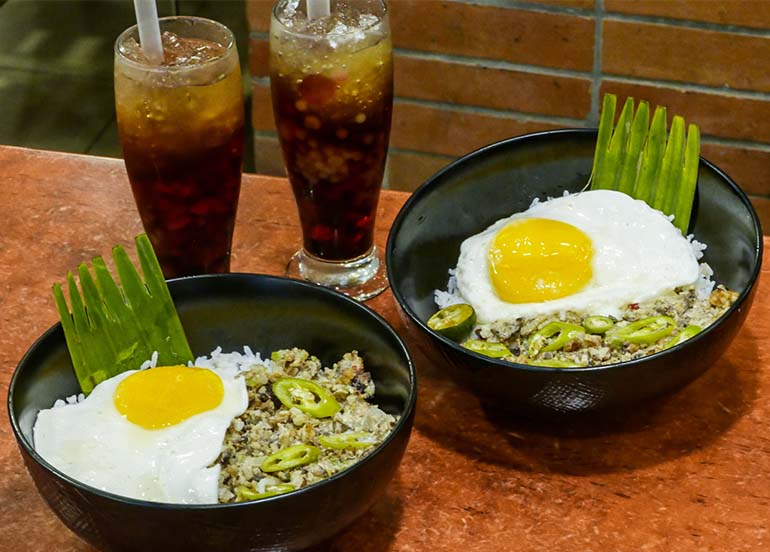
(166, 395)
(533, 260)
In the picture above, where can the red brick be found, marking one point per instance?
(514, 35)
(261, 108)
(453, 133)
(259, 57)
(716, 114)
(686, 55)
(258, 14)
(406, 171)
(748, 167)
(484, 86)
(746, 13)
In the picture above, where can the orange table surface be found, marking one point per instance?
(690, 472)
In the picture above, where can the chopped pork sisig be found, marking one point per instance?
(304, 423)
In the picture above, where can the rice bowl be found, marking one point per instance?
(228, 310)
(487, 185)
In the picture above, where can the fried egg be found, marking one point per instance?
(593, 252)
(151, 434)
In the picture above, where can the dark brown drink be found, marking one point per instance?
(332, 89)
(335, 160)
(187, 198)
(181, 130)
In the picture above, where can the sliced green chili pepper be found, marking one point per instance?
(348, 440)
(684, 335)
(454, 321)
(563, 331)
(487, 348)
(306, 395)
(642, 332)
(598, 324)
(290, 457)
(243, 492)
(554, 363)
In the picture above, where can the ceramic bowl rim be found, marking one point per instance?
(331, 295)
(426, 187)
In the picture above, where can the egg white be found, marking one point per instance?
(93, 443)
(637, 255)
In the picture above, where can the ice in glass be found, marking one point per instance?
(181, 130)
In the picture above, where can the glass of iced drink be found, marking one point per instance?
(181, 130)
(332, 89)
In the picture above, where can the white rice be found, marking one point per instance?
(152, 363)
(72, 399)
(232, 363)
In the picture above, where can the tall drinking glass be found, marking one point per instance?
(181, 130)
(332, 88)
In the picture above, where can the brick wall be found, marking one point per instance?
(471, 72)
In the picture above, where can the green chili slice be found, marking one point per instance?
(598, 324)
(642, 332)
(242, 492)
(454, 321)
(561, 332)
(290, 457)
(684, 335)
(487, 348)
(306, 395)
(342, 441)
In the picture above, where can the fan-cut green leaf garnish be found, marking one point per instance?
(113, 328)
(636, 157)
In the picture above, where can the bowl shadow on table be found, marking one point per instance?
(590, 443)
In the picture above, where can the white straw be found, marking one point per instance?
(318, 8)
(149, 30)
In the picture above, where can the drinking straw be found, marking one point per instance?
(149, 30)
(318, 8)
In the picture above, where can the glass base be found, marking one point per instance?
(361, 278)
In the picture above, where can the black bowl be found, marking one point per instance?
(470, 194)
(233, 310)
